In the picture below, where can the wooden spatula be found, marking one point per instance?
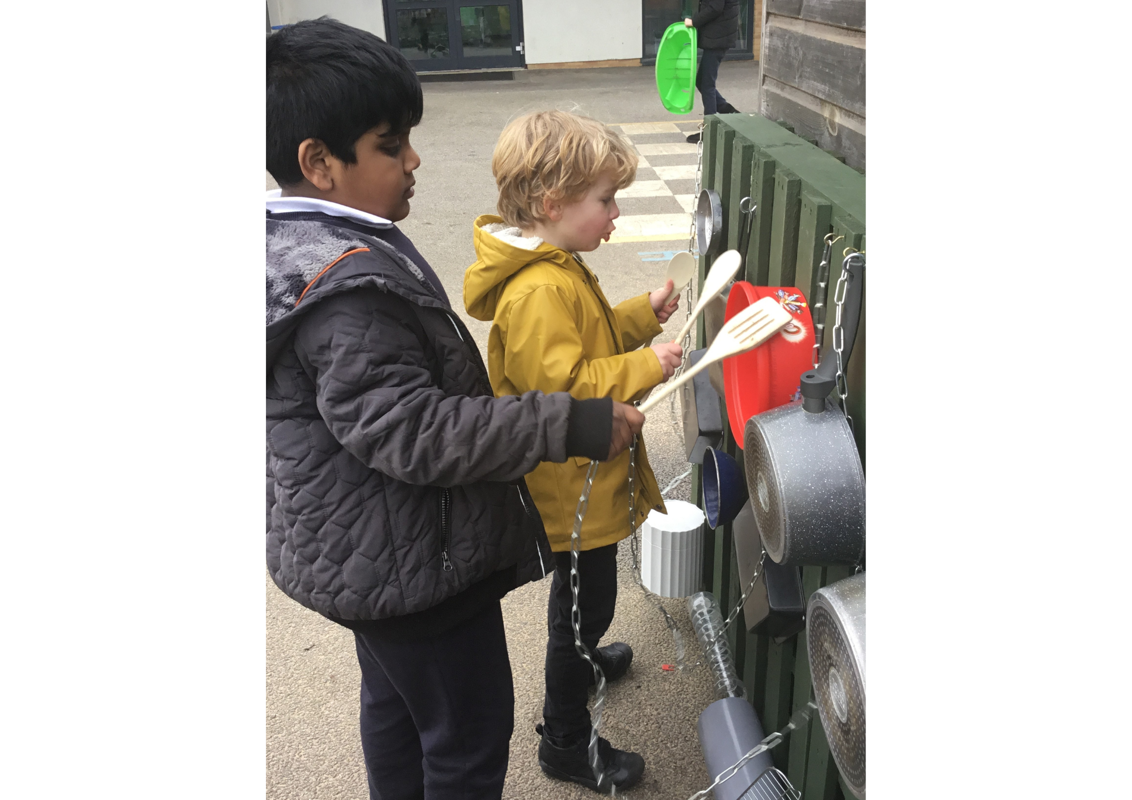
(720, 274)
(746, 330)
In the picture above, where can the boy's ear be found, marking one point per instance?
(315, 162)
(552, 209)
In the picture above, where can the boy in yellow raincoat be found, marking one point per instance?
(553, 330)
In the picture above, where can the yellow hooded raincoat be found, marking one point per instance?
(553, 330)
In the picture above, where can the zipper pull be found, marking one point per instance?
(447, 564)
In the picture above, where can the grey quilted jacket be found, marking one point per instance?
(394, 476)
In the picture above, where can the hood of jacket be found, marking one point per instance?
(309, 260)
(501, 251)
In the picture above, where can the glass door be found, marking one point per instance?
(438, 35)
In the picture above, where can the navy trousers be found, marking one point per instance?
(437, 714)
(566, 717)
(705, 80)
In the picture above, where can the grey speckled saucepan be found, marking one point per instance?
(804, 474)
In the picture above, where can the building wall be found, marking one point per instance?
(812, 72)
(364, 14)
(581, 30)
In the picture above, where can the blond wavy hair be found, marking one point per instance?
(555, 155)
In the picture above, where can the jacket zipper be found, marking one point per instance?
(538, 547)
(445, 527)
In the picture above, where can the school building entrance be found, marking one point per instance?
(456, 34)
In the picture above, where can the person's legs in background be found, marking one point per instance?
(706, 77)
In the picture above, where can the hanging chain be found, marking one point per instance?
(819, 308)
(694, 290)
(738, 605)
(576, 622)
(677, 637)
(839, 333)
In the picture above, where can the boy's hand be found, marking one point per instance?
(687, 22)
(657, 298)
(669, 356)
(627, 421)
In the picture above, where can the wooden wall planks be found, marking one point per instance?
(845, 13)
(812, 72)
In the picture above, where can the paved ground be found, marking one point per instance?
(312, 675)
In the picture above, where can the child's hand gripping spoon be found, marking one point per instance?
(746, 330)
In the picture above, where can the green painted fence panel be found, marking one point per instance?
(812, 578)
(762, 190)
(816, 221)
(784, 228)
(725, 142)
(740, 187)
(801, 193)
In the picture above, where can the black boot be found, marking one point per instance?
(572, 763)
(614, 661)
(727, 108)
(694, 138)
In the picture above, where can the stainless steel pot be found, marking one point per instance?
(804, 473)
(709, 220)
(835, 641)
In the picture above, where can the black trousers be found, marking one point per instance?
(437, 714)
(705, 80)
(566, 718)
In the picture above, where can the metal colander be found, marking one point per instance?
(771, 785)
(835, 632)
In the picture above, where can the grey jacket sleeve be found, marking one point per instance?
(379, 399)
(708, 10)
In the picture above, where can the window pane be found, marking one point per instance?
(486, 30)
(658, 15)
(423, 34)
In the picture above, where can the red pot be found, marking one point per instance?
(768, 376)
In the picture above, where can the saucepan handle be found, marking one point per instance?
(818, 383)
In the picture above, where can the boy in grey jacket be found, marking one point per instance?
(395, 499)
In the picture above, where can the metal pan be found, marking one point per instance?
(709, 221)
(804, 473)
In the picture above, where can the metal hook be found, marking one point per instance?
(835, 241)
(746, 206)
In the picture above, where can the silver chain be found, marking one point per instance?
(839, 334)
(576, 621)
(694, 290)
(819, 309)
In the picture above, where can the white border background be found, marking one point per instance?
(133, 558)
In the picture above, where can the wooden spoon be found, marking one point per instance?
(721, 273)
(746, 330)
(681, 268)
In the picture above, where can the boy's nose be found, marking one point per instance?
(616, 211)
(412, 159)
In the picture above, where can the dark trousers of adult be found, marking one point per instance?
(566, 719)
(706, 76)
(437, 713)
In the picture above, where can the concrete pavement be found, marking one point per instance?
(313, 749)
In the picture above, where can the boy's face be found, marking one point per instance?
(381, 181)
(587, 221)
